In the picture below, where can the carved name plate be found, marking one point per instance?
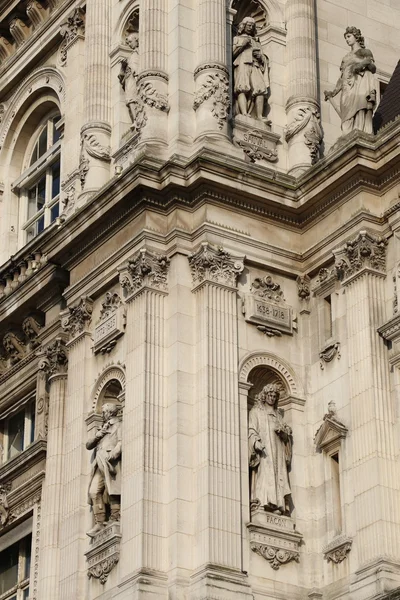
(104, 552)
(255, 138)
(108, 331)
(277, 541)
(263, 312)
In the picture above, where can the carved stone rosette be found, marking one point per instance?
(77, 318)
(147, 269)
(365, 251)
(214, 264)
(337, 551)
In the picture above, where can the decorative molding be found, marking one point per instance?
(103, 554)
(331, 433)
(307, 120)
(73, 28)
(68, 198)
(275, 363)
(109, 305)
(337, 551)
(14, 347)
(77, 318)
(326, 278)
(31, 328)
(267, 288)
(303, 287)
(365, 251)
(215, 86)
(37, 551)
(274, 537)
(147, 269)
(391, 329)
(216, 265)
(110, 372)
(54, 358)
(275, 556)
(266, 308)
(150, 96)
(255, 138)
(16, 274)
(328, 353)
(91, 147)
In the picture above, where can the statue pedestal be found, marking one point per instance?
(103, 554)
(274, 537)
(255, 138)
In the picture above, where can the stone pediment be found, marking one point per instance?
(330, 434)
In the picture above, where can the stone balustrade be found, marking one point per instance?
(16, 273)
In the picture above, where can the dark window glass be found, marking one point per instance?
(40, 224)
(55, 172)
(42, 142)
(15, 432)
(54, 212)
(41, 193)
(32, 206)
(28, 553)
(32, 431)
(56, 132)
(9, 568)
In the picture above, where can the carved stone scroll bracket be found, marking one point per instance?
(146, 269)
(366, 252)
(76, 319)
(215, 265)
(328, 353)
(111, 324)
(103, 554)
(337, 551)
(256, 139)
(331, 432)
(274, 538)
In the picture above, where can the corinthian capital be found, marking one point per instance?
(365, 251)
(76, 318)
(214, 264)
(146, 269)
(53, 358)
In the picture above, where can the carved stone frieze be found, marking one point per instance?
(215, 86)
(4, 508)
(214, 264)
(274, 537)
(70, 30)
(54, 358)
(328, 353)
(14, 347)
(307, 120)
(146, 269)
(77, 318)
(338, 549)
(303, 287)
(103, 554)
(365, 251)
(331, 432)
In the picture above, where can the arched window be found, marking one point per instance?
(39, 184)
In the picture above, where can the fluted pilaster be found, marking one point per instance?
(95, 137)
(303, 134)
(211, 101)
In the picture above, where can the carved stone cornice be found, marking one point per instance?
(215, 265)
(325, 281)
(364, 252)
(54, 358)
(338, 549)
(147, 269)
(76, 319)
(391, 329)
(331, 432)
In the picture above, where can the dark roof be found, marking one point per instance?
(389, 106)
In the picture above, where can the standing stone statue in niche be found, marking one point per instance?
(128, 80)
(251, 80)
(357, 85)
(105, 481)
(270, 453)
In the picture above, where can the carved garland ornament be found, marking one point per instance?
(147, 268)
(103, 569)
(216, 85)
(275, 556)
(307, 120)
(215, 264)
(152, 97)
(364, 251)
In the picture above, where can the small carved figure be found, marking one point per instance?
(3, 505)
(128, 80)
(251, 80)
(270, 453)
(357, 85)
(105, 481)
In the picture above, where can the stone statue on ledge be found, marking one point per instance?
(270, 454)
(251, 80)
(105, 481)
(128, 80)
(357, 85)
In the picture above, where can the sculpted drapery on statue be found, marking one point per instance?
(251, 79)
(128, 80)
(270, 453)
(105, 481)
(357, 85)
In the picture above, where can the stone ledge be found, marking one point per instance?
(274, 537)
(103, 554)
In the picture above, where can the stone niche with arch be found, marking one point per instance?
(103, 553)
(271, 535)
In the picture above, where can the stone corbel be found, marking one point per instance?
(331, 432)
(6, 48)
(76, 319)
(14, 346)
(328, 353)
(19, 31)
(274, 538)
(4, 508)
(337, 551)
(215, 265)
(103, 554)
(31, 328)
(36, 13)
(146, 269)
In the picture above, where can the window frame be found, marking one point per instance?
(28, 406)
(18, 591)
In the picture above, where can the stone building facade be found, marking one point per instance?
(199, 300)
